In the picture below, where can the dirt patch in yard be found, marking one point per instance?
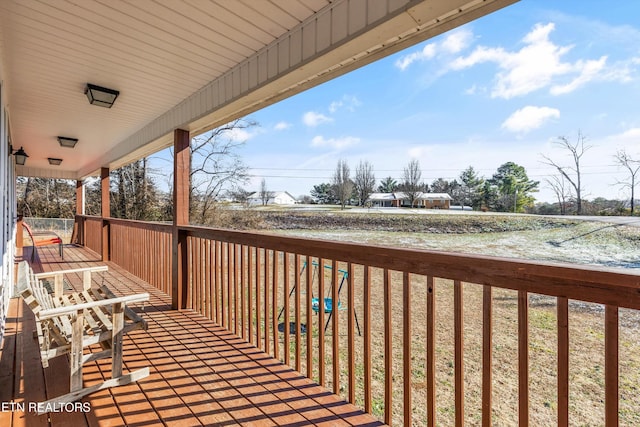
(374, 221)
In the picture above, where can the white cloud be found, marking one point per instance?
(427, 52)
(282, 126)
(457, 41)
(537, 65)
(529, 118)
(420, 151)
(348, 102)
(627, 139)
(451, 44)
(240, 135)
(313, 119)
(588, 71)
(336, 143)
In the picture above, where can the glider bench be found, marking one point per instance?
(45, 238)
(68, 323)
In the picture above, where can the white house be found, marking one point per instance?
(399, 199)
(275, 198)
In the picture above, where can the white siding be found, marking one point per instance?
(7, 210)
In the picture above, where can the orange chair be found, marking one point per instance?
(45, 238)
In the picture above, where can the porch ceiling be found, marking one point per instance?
(192, 64)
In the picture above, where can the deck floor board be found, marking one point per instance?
(200, 373)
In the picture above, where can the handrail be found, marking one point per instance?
(586, 283)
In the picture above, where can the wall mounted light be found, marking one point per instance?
(53, 161)
(67, 142)
(101, 96)
(21, 156)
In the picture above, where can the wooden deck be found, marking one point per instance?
(201, 374)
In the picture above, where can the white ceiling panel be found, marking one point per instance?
(183, 63)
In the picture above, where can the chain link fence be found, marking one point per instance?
(63, 227)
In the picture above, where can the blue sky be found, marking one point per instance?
(499, 89)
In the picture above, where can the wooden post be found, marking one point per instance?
(78, 232)
(76, 352)
(80, 202)
(181, 171)
(116, 341)
(19, 235)
(105, 209)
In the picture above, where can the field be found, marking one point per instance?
(536, 238)
(514, 236)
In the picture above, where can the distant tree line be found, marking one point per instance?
(508, 190)
(218, 172)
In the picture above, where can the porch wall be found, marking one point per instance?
(7, 210)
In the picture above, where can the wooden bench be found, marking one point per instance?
(45, 238)
(66, 324)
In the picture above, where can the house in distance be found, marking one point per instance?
(402, 200)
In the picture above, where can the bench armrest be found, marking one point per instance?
(59, 275)
(60, 311)
(71, 271)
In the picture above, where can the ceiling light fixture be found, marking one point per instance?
(67, 142)
(53, 161)
(101, 96)
(21, 156)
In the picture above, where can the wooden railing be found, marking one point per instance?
(89, 232)
(423, 337)
(143, 249)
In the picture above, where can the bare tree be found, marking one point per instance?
(342, 183)
(240, 195)
(264, 193)
(45, 197)
(215, 167)
(412, 185)
(365, 181)
(558, 185)
(572, 173)
(632, 166)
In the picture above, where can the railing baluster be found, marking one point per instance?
(523, 358)
(243, 287)
(458, 310)
(267, 338)
(229, 300)
(191, 289)
(258, 306)
(335, 330)
(250, 262)
(487, 354)
(351, 348)
(367, 339)
(297, 312)
(563, 361)
(611, 369)
(236, 289)
(196, 245)
(216, 281)
(204, 264)
(287, 326)
(274, 305)
(431, 352)
(224, 279)
(406, 351)
(321, 331)
(388, 350)
(309, 316)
